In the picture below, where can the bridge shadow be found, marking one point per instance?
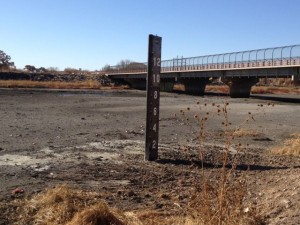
(277, 98)
(282, 98)
(205, 93)
(198, 164)
(209, 93)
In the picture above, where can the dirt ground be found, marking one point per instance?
(94, 140)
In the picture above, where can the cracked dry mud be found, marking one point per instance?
(94, 140)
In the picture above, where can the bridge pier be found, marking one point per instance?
(139, 84)
(296, 82)
(296, 78)
(240, 87)
(195, 86)
(166, 86)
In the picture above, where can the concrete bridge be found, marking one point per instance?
(239, 70)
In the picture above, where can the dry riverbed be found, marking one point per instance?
(94, 140)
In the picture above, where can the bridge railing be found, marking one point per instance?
(269, 57)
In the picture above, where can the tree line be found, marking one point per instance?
(7, 65)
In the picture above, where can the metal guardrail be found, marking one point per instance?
(268, 57)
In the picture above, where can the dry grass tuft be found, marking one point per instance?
(290, 147)
(63, 205)
(97, 214)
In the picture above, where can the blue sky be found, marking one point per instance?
(88, 34)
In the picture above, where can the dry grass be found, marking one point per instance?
(65, 206)
(94, 84)
(217, 203)
(255, 89)
(290, 147)
(274, 90)
(89, 84)
(217, 88)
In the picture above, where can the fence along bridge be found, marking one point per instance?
(239, 70)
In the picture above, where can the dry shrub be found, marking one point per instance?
(63, 205)
(219, 203)
(219, 198)
(291, 146)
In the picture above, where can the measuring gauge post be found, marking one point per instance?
(153, 95)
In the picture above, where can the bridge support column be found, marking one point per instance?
(240, 87)
(296, 78)
(139, 84)
(195, 86)
(296, 82)
(166, 86)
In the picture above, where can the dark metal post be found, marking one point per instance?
(153, 86)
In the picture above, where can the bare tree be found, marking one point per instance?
(123, 63)
(107, 67)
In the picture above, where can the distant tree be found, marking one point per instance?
(30, 68)
(85, 72)
(69, 70)
(42, 70)
(127, 64)
(123, 63)
(136, 65)
(5, 62)
(52, 69)
(107, 67)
